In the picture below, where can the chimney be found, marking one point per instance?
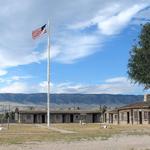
(147, 98)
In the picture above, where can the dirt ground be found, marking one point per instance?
(119, 142)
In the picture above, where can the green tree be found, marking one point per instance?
(139, 61)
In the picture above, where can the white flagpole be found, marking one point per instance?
(48, 77)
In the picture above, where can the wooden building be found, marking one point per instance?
(58, 116)
(136, 113)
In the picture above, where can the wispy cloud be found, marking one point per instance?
(10, 80)
(113, 19)
(116, 23)
(72, 38)
(17, 87)
(110, 20)
(3, 72)
(116, 85)
(74, 47)
(68, 45)
(117, 80)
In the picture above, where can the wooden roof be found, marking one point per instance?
(138, 105)
(114, 111)
(59, 111)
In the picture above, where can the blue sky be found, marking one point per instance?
(89, 46)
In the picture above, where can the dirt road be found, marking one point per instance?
(134, 142)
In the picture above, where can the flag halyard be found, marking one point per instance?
(38, 32)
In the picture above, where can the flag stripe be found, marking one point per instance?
(38, 32)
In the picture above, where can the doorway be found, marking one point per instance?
(111, 118)
(148, 117)
(105, 118)
(71, 118)
(43, 118)
(35, 118)
(140, 117)
(63, 118)
(95, 119)
(128, 117)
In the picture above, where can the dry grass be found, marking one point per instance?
(20, 133)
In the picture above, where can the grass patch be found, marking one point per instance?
(20, 133)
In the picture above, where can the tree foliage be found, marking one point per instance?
(139, 61)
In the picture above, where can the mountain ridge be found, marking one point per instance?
(88, 99)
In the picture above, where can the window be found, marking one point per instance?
(83, 117)
(135, 115)
(28, 117)
(57, 116)
(115, 117)
(77, 117)
(122, 116)
(145, 115)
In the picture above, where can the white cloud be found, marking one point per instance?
(16, 87)
(19, 18)
(13, 79)
(110, 20)
(17, 58)
(3, 72)
(69, 39)
(74, 47)
(115, 24)
(54, 52)
(17, 78)
(117, 85)
(100, 16)
(42, 87)
(117, 80)
(113, 19)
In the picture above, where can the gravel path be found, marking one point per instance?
(56, 129)
(115, 143)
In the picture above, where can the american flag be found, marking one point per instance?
(38, 32)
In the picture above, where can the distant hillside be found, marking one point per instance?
(59, 99)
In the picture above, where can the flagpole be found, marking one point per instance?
(48, 77)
